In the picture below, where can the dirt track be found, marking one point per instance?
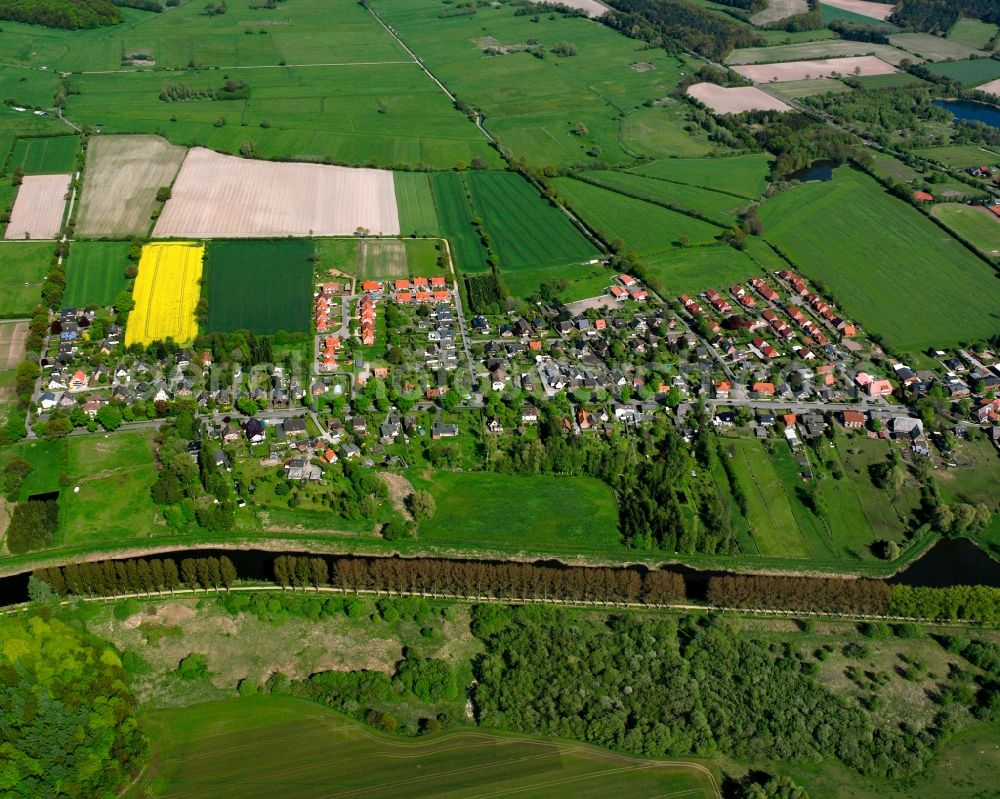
(222, 196)
(39, 207)
(736, 100)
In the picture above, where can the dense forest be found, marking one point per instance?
(70, 14)
(69, 721)
(936, 16)
(659, 687)
(664, 22)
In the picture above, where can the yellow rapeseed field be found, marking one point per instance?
(166, 293)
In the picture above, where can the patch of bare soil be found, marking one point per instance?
(399, 489)
(779, 9)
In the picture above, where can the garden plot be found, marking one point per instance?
(863, 7)
(820, 68)
(735, 100)
(120, 184)
(222, 196)
(38, 208)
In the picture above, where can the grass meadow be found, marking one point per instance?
(796, 89)
(516, 513)
(23, 266)
(289, 747)
(95, 273)
(693, 269)
(893, 270)
(660, 130)
(961, 156)
(646, 228)
(932, 48)
(722, 207)
(261, 286)
(415, 204)
(973, 223)
(45, 155)
(533, 105)
(973, 33)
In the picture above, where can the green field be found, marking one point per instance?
(794, 89)
(644, 227)
(23, 266)
(932, 48)
(768, 509)
(961, 156)
(694, 269)
(415, 202)
(261, 286)
(744, 175)
(533, 105)
(662, 131)
(890, 81)
(114, 474)
(283, 746)
(891, 269)
(45, 155)
(48, 461)
(514, 513)
(526, 231)
(832, 48)
(724, 208)
(95, 273)
(456, 215)
(830, 13)
(973, 33)
(973, 223)
(972, 73)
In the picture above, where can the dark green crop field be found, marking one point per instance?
(261, 286)
(971, 73)
(526, 231)
(891, 268)
(95, 273)
(455, 214)
(287, 747)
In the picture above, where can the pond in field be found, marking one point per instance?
(967, 111)
(951, 562)
(817, 170)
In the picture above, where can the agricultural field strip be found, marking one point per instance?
(246, 66)
(166, 292)
(38, 207)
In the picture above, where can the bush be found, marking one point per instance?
(193, 667)
(127, 609)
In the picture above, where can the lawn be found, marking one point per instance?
(114, 474)
(768, 510)
(890, 268)
(972, 73)
(344, 255)
(515, 513)
(261, 286)
(455, 213)
(250, 746)
(973, 223)
(95, 273)
(526, 231)
(743, 175)
(23, 266)
(724, 208)
(46, 155)
(415, 204)
(694, 269)
(644, 227)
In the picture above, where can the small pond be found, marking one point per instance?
(817, 170)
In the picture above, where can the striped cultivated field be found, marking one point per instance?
(455, 213)
(166, 292)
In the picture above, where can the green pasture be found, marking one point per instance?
(48, 462)
(456, 215)
(260, 286)
(976, 478)
(890, 268)
(932, 48)
(534, 105)
(970, 72)
(644, 227)
(289, 747)
(744, 175)
(973, 223)
(891, 81)
(114, 474)
(807, 51)
(515, 513)
(526, 231)
(973, 33)
(961, 156)
(796, 89)
(45, 155)
(95, 273)
(661, 131)
(340, 254)
(693, 269)
(724, 208)
(415, 203)
(23, 266)
(830, 13)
